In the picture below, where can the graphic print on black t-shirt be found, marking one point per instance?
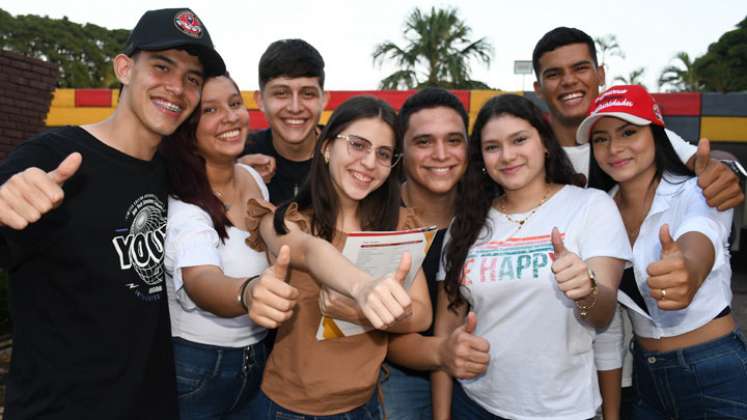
(140, 246)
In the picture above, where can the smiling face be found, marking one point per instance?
(624, 151)
(355, 177)
(293, 107)
(221, 131)
(513, 152)
(162, 88)
(435, 152)
(569, 81)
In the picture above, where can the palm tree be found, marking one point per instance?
(437, 53)
(682, 77)
(607, 47)
(635, 77)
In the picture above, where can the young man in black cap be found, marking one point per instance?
(83, 211)
(291, 95)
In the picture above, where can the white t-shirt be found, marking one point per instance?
(191, 240)
(580, 154)
(679, 202)
(542, 364)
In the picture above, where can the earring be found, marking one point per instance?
(326, 159)
(483, 170)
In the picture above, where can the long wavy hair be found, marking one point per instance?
(379, 210)
(476, 191)
(188, 179)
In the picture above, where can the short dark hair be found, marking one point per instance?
(428, 98)
(560, 37)
(291, 58)
(379, 210)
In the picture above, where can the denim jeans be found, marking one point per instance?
(407, 394)
(266, 409)
(707, 380)
(215, 382)
(463, 408)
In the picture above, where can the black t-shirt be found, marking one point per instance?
(289, 174)
(91, 335)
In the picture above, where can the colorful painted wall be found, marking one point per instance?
(719, 117)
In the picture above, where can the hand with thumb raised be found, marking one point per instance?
(571, 272)
(669, 282)
(28, 195)
(463, 354)
(385, 301)
(271, 298)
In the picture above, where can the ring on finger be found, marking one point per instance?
(663, 293)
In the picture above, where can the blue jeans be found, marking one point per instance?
(463, 408)
(707, 380)
(407, 394)
(215, 382)
(266, 409)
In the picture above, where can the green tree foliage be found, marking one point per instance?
(724, 67)
(635, 77)
(438, 52)
(680, 77)
(82, 52)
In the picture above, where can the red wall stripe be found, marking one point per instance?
(93, 97)
(679, 104)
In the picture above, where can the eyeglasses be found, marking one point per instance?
(359, 148)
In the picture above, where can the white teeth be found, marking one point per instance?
(294, 122)
(229, 134)
(439, 170)
(168, 105)
(571, 96)
(361, 177)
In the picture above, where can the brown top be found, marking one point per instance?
(318, 377)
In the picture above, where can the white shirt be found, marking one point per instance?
(542, 363)
(191, 240)
(679, 202)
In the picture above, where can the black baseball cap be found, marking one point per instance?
(165, 29)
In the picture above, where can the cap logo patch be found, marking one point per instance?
(657, 112)
(614, 102)
(188, 24)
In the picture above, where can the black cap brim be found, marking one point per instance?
(212, 62)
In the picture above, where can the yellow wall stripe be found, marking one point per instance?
(724, 128)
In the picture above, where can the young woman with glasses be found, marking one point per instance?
(353, 186)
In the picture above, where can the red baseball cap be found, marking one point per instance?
(631, 103)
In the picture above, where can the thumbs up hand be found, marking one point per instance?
(385, 301)
(721, 186)
(465, 355)
(571, 272)
(28, 195)
(336, 305)
(669, 281)
(272, 299)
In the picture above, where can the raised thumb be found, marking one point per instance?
(668, 245)
(471, 323)
(66, 168)
(702, 156)
(404, 267)
(280, 268)
(557, 242)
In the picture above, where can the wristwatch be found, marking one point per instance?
(737, 168)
